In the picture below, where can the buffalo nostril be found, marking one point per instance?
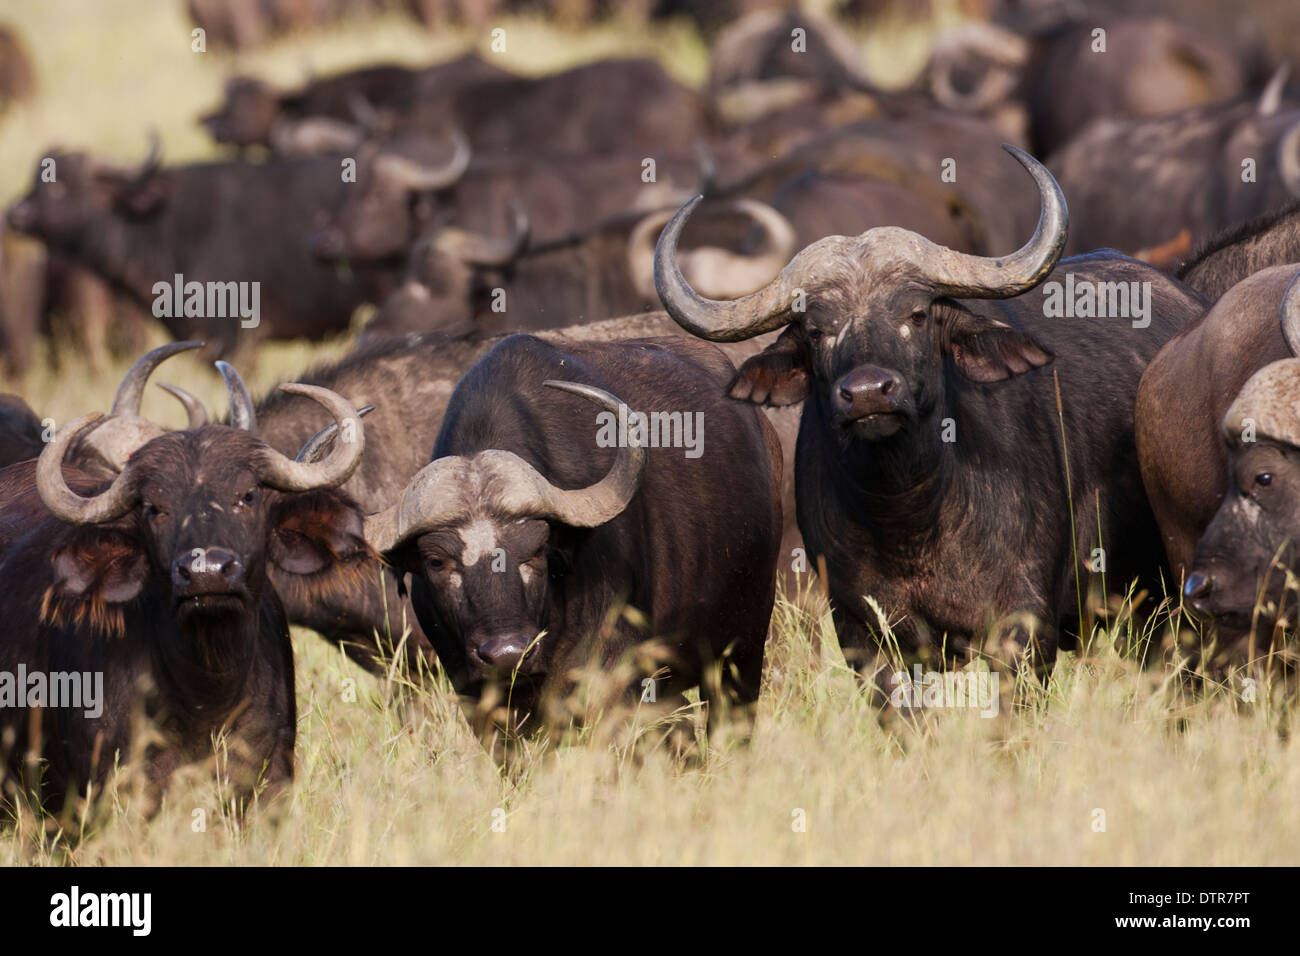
(1198, 586)
(846, 393)
(887, 386)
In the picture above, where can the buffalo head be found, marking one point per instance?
(871, 319)
(194, 517)
(389, 205)
(482, 538)
(83, 191)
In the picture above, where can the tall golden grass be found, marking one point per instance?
(1110, 764)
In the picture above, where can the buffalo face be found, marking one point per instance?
(390, 204)
(195, 517)
(485, 539)
(486, 580)
(1244, 556)
(84, 191)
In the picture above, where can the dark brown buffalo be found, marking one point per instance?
(460, 281)
(324, 115)
(786, 61)
(1242, 250)
(412, 184)
(528, 533)
(1135, 183)
(935, 173)
(409, 381)
(603, 107)
(157, 580)
(221, 223)
(1052, 82)
(930, 462)
(1184, 396)
(1249, 550)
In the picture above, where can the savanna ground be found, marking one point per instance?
(1111, 764)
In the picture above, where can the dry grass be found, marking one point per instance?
(1182, 779)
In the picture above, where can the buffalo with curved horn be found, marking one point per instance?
(529, 530)
(1249, 550)
(930, 465)
(160, 579)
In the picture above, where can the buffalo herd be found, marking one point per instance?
(985, 360)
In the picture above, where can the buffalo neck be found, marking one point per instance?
(122, 253)
(892, 489)
(206, 662)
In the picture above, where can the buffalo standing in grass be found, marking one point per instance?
(526, 534)
(931, 462)
(158, 580)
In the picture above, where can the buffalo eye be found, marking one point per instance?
(1263, 479)
(436, 563)
(152, 512)
(918, 315)
(815, 334)
(249, 497)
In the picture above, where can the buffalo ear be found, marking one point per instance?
(313, 530)
(106, 567)
(778, 375)
(985, 350)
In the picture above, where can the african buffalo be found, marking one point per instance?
(413, 184)
(931, 461)
(356, 603)
(462, 281)
(1050, 83)
(528, 532)
(323, 115)
(1249, 549)
(1185, 394)
(155, 583)
(598, 108)
(1135, 183)
(238, 229)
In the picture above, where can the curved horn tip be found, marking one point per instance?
(289, 475)
(243, 415)
(587, 391)
(194, 409)
(130, 392)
